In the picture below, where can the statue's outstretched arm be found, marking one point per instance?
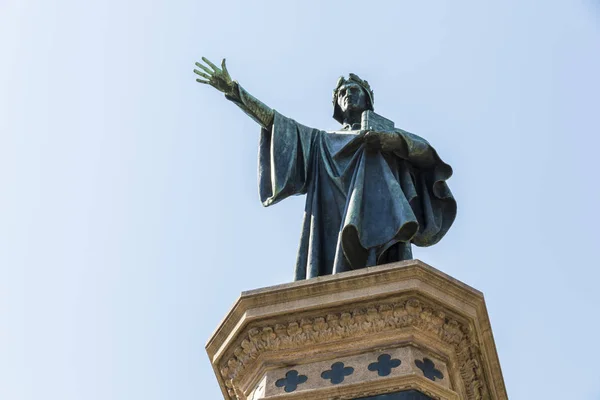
(220, 79)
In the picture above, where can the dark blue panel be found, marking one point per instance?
(384, 365)
(404, 395)
(291, 381)
(337, 373)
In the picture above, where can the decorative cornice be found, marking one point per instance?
(306, 290)
(359, 322)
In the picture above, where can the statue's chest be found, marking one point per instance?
(342, 143)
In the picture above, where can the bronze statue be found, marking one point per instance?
(372, 189)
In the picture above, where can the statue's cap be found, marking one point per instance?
(337, 112)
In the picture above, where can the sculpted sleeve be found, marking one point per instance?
(253, 107)
(284, 159)
(432, 201)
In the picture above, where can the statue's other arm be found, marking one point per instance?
(403, 144)
(390, 142)
(220, 79)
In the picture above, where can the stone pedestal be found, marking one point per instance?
(397, 331)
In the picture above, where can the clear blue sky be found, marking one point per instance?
(129, 213)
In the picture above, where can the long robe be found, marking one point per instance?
(363, 206)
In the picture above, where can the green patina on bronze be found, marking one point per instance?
(372, 189)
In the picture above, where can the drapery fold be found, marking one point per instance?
(360, 202)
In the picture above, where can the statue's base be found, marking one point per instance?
(397, 331)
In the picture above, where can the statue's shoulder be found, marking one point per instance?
(371, 121)
(411, 136)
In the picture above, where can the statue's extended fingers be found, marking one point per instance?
(202, 74)
(213, 66)
(204, 68)
(203, 81)
(224, 67)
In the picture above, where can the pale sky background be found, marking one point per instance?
(129, 214)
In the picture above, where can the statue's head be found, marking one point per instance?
(351, 95)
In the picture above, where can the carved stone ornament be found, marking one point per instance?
(357, 322)
(314, 322)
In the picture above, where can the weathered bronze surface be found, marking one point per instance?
(372, 189)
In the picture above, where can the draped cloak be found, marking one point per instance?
(363, 206)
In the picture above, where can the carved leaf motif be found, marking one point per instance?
(360, 322)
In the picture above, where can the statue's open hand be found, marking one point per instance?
(217, 78)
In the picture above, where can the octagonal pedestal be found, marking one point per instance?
(399, 331)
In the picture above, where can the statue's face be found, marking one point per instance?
(352, 97)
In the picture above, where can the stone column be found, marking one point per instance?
(397, 331)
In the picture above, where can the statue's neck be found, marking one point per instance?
(352, 117)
